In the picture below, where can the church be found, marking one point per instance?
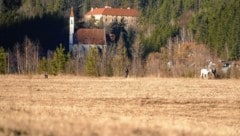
(84, 39)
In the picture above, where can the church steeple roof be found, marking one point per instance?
(71, 13)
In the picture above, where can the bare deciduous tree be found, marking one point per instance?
(27, 57)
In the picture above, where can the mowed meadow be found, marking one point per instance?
(75, 106)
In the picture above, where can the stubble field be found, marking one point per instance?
(71, 105)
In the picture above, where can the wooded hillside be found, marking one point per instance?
(214, 22)
(162, 26)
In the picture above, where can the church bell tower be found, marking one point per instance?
(71, 29)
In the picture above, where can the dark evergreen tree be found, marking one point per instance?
(118, 29)
(59, 60)
(2, 7)
(2, 60)
(12, 4)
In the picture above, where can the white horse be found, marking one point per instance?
(210, 70)
(205, 72)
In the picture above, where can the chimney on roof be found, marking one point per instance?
(128, 8)
(91, 8)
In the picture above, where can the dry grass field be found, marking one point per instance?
(71, 105)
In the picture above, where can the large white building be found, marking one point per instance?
(108, 15)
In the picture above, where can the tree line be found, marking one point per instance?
(210, 22)
(163, 24)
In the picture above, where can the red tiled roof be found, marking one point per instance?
(91, 36)
(114, 12)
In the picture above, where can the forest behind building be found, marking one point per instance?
(172, 37)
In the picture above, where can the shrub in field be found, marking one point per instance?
(91, 67)
(59, 61)
(120, 60)
(43, 66)
(235, 72)
(2, 61)
(108, 68)
(155, 65)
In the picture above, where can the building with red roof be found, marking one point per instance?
(84, 39)
(90, 36)
(108, 15)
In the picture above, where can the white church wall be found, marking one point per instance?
(82, 49)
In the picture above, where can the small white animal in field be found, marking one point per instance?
(204, 73)
(226, 67)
